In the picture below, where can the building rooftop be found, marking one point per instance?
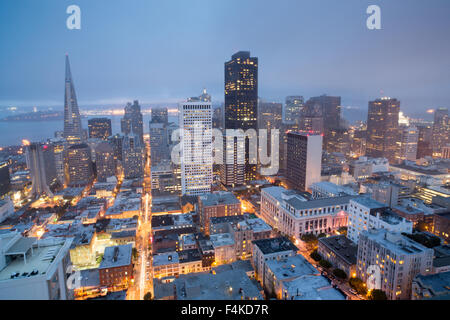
(117, 256)
(255, 224)
(166, 258)
(395, 242)
(226, 285)
(437, 283)
(274, 245)
(368, 202)
(39, 255)
(312, 287)
(218, 198)
(291, 267)
(342, 247)
(221, 240)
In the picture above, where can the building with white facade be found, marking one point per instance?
(32, 269)
(389, 261)
(196, 147)
(327, 189)
(293, 215)
(365, 214)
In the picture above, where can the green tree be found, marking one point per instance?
(148, 296)
(340, 273)
(358, 285)
(325, 264)
(315, 256)
(377, 294)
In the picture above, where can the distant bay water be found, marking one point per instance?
(13, 132)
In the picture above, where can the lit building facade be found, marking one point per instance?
(196, 147)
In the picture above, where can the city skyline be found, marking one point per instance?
(140, 60)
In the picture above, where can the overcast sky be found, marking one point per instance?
(167, 50)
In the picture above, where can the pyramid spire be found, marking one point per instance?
(72, 120)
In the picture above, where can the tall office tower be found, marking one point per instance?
(41, 163)
(159, 142)
(358, 142)
(116, 142)
(160, 115)
(293, 109)
(105, 162)
(73, 132)
(196, 147)
(331, 110)
(218, 118)
(382, 128)
(133, 153)
(441, 131)
(407, 143)
(5, 179)
(424, 141)
(133, 120)
(338, 140)
(312, 118)
(204, 97)
(79, 171)
(59, 147)
(241, 103)
(100, 128)
(304, 159)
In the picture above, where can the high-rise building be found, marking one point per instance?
(382, 128)
(5, 180)
(441, 131)
(41, 163)
(218, 118)
(132, 121)
(407, 144)
(116, 142)
(133, 153)
(79, 171)
(241, 104)
(196, 147)
(104, 161)
(304, 159)
(73, 132)
(312, 118)
(293, 109)
(331, 110)
(425, 134)
(100, 128)
(160, 115)
(59, 147)
(159, 142)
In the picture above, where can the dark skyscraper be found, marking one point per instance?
(132, 157)
(382, 128)
(160, 115)
(104, 160)
(241, 102)
(5, 182)
(79, 171)
(73, 131)
(292, 109)
(133, 120)
(441, 131)
(424, 142)
(159, 142)
(99, 128)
